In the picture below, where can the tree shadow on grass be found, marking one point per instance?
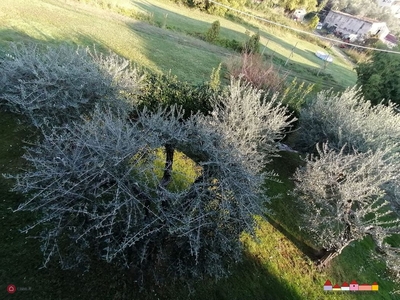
(303, 71)
(8, 36)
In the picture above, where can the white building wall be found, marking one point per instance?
(380, 29)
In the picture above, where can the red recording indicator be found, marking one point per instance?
(11, 289)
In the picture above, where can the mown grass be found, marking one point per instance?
(183, 173)
(275, 42)
(52, 21)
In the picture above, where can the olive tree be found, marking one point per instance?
(347, 119)
(57, 84)
(97, 190)
(342, 199)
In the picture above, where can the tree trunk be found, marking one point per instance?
(167, 176)
(326, 255)
(326, 258)
(169, 160)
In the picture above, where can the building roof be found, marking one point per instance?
(353, 282)
(345, 284)
(336, 286)
(391, 38)
(365, 19)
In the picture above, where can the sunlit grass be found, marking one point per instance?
(184, 170)
(52, 22)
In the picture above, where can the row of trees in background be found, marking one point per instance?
(287, 5)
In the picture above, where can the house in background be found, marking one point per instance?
(298, 15)
(336, 287)
(361, 26)
(390, 40)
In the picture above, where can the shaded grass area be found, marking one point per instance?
(277, 43)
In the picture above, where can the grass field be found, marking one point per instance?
(276, 43)
(189, 58)
(274, 268)
(53, 21)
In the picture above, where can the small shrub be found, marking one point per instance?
(213, 32)
(215, 78)
(252, 45)
(164, 22)
(357, 56)
(256, 71)
(231, 44)
(137, 15)
(166, 90)
(295, 95)
(313, 22)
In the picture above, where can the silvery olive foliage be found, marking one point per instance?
(96, 190)
(346, 119)
(54, 85)
(392, 258)
(342, 199)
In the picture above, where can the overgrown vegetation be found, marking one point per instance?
(357, 56)
(96, 185)
(57, 85)
(379, 78)
(252, 45)
(256, 71)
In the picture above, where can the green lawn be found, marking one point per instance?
(276, 42)
(52, 21)
(274, 268)
(160, 49)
